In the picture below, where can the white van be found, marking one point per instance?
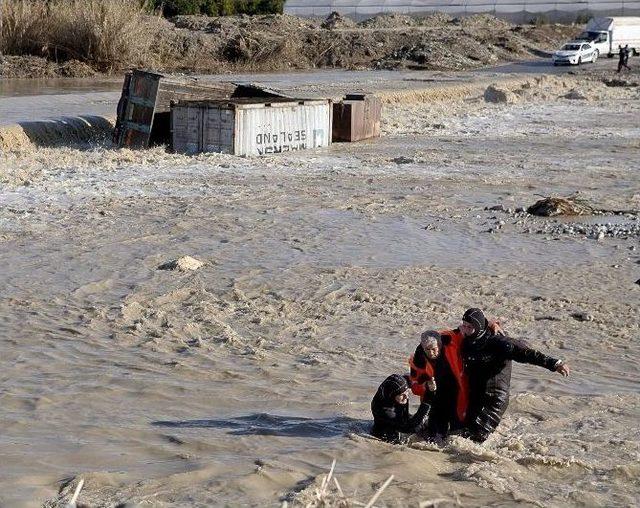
(608, 34)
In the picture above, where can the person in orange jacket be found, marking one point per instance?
(437, 376)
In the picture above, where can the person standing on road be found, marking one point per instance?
(487, 364)
(623, 58)
(627, 53)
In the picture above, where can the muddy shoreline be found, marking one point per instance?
(241, 381)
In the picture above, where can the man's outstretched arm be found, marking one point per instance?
(521, 353)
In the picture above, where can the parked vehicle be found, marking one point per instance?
(575, 53)
(608, 34)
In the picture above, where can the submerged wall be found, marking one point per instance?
(519, 11)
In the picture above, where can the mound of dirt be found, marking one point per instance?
(38, 67)
(435, 19)
(483, 22)
(449, 53)
(191, 22)
(201, 44)
(388, 21)
(27, 67)
(432, 55)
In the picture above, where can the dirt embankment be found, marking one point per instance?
(201, 44)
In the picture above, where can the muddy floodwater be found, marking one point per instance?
(25, 100)
(237, 384)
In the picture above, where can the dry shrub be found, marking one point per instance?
(107, 34)
(22, 30)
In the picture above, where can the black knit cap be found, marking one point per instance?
(394, 385)
(475, 317)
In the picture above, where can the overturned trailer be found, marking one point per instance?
(251, 126)
(143, 114)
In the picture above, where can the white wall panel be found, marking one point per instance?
(514, 10)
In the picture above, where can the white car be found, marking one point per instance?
(575, 53)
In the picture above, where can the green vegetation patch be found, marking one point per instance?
(218, 7)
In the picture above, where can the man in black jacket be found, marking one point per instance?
(623, 57)
(390, 408)
(487, 364)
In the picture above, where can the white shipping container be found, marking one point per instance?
(255, 126)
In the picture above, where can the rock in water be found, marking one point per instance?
(620, 82)
(499, 95)
(575, 94)
(582, 316)
(183, 264)
(550, 207)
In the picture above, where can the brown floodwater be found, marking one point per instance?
(240, 382)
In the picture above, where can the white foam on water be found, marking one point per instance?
(321, 269)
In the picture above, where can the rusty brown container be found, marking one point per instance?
(145, 104)
(357, 117)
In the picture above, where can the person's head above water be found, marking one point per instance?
(474, 325)
(431, 343)
(395, 388)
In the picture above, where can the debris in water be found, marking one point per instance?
(582, 316)
(76, 494)
(546, 318)
(403, 160)
(575, 94)
(550, 207)
(183, 264)
(499, 95)
(615, 82)
(325, 496)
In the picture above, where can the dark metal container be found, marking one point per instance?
(357, 117)
(145, 104)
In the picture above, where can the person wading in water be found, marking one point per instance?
(437, 376)
(390, 408)
(487, 364)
